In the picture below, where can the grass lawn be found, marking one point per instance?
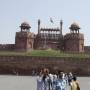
(45, 53)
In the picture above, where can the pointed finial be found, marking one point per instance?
(61, 23)
(38, 26)
(38, 21)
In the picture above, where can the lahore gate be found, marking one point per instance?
(47, 38)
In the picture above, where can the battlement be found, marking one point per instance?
(87, 49)
(24, 34)
(49, 29)
(7, 47)
(24, 41)
(74, 36)
(50, 36)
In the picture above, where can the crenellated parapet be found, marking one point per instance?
(49, 29)
(87, 49)
(24, 34)
(74, 42)
(7, 47)
(73, 36)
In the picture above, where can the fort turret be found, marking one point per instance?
(25, 27)
(24, 39)
(74, 41)
(74, 28)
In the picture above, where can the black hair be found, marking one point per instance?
(74, 78)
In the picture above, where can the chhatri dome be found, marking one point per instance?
(25, 25)
(74, 26)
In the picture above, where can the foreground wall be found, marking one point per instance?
(24, 65)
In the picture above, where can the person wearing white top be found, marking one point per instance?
(39, 81)
(44, 81)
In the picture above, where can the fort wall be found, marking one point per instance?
(7, 47)
(87, 49)
(23, 65)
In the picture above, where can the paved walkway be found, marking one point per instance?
(29, 83)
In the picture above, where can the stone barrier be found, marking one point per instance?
(25, 65)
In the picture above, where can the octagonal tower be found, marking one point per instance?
(24, 39)
(74, 41)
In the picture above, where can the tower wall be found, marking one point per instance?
(24, 41)
(74, 42)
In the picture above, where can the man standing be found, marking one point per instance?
(60, 82)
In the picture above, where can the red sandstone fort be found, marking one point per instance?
(46, 38)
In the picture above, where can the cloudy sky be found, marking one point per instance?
(14, 12)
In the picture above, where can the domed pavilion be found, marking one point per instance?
(25, 26)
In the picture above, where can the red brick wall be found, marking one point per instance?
(25, 64)
(23, 41)
(74, 42)
(87, 49)
(7, 47)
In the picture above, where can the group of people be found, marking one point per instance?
(57, 81)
